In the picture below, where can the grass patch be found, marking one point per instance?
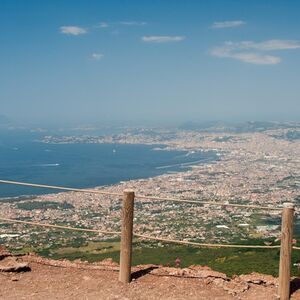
(90, 248)
(230, 261)
(31, 205)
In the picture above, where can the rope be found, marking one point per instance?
(207, 202)
(204, 244)
(140, 196)
(59, 226)
(145, 236)
(60, 188)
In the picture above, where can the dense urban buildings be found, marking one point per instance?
(260, 167)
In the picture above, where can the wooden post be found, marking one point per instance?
(286, 251)
(126, 237)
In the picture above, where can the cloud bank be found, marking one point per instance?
(254, 53)
(132, 23)
(72, 30)
(227, 24)
(97, 56)
(162, 39)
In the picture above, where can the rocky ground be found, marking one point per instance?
(33, 277)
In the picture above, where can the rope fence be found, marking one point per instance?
(59, 226)
(205, 244)
(53, 187)
(93, 191)
(141, 236)
(127, 234)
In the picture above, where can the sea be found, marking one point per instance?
(23, 158)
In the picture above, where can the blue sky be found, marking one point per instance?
(150, 61)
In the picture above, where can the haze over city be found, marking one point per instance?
(149, 61)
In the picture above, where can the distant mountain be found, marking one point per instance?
(201, 125)
(237, 127)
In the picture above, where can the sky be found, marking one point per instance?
(149, 61)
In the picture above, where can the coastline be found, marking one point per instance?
(169, 169)
(254, 169)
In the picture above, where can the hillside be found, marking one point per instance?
(51, 279)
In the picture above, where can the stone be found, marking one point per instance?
(14, 278)
(235, 286)
(257, 278)
(11, 264)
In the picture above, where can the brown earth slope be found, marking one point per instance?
(33, 277)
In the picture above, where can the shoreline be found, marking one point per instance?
(254, 169)
(182, 168)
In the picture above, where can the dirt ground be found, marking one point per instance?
(48, 279)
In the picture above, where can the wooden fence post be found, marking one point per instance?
(286, 251)
(126, 237)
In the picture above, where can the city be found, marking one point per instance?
(260, 168)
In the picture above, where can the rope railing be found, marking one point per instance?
(93, 191)
(205, 244)
(59, 226)
(54, 187)
(208, 202)
(127, 233)
(141, 236)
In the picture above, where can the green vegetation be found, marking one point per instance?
(17, 199)
(228, 260)
(261, 220)
(31, 205)
(90, 248)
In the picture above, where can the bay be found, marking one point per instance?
(84, 165)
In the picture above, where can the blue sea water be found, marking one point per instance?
(83, 165)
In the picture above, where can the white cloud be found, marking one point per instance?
(254, 58)
(227, 24)
(162, 39)
(132, 23)
(72, 30)
(248, 57)
(122, 23)
(97, 56)
(103, 25)
(252, 52)
(269, 45)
